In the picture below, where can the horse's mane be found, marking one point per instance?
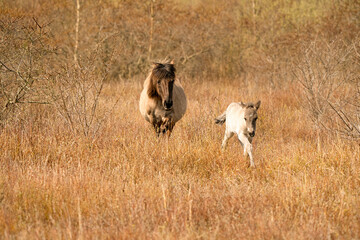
(160, 71)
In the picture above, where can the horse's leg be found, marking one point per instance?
(156, 128)
(171, 126)
(247, 148)
(167, 125)
(227, 136)
(153, 122)
(156, 123)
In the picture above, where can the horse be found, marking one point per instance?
(162, 100)
(240, 119)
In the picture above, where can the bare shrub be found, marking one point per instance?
(329, 75)
(23, 51)
(76, 92)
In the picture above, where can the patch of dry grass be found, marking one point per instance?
(128, 184)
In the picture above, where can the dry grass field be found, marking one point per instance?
(128, 184)
(77, 161)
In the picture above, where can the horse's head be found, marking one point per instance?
(162, 82)
(250, 116)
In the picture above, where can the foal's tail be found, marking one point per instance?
(221, 119)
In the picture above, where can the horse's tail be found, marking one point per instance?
(221, 119)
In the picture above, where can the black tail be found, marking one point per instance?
(221, 119)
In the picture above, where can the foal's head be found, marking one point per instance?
(162, 82)
(250, 116)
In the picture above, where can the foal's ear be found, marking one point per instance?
(172, 62)
(242, 104)
(257, 105)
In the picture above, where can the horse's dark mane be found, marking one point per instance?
(160, 71)
(163, 70)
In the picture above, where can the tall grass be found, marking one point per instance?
(126, 183)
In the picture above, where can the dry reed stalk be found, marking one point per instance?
(152, 15)
(76, 45)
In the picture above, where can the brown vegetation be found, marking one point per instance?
(78, 161)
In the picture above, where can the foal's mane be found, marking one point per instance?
(160, 71)
(250, 105)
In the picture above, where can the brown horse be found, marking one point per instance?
(162, 101)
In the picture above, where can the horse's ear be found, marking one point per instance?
(172, 62)
(242, 104)
(257, 105)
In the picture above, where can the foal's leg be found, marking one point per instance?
(247, 148)
(227, 136)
